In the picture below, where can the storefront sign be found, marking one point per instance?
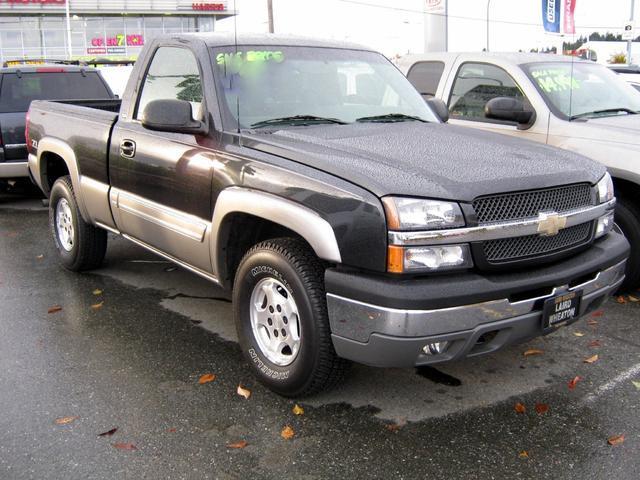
(119, 40)
(216, 7)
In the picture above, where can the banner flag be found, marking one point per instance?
(569, 19)
(551, 15)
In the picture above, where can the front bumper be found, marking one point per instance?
(382, 334)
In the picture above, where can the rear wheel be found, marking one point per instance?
(627, 216)
(80, 245)
(281, 317)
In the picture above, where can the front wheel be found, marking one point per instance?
(80, 245)
(281, 317)
(627, 216)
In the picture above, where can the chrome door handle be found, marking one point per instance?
(127, 148)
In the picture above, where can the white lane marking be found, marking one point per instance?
(611, 384)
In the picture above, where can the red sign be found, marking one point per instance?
(119, 40)
(217, 7)
(569, 20)
(41, 2)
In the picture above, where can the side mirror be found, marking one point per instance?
(169, 115)
(509, 109)
(439, 107)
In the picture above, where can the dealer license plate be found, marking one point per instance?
(561, 309)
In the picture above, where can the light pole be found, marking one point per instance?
(488, 5)
(630, 41)
(66, 7)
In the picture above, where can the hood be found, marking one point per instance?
(427, 159)
(616, 129)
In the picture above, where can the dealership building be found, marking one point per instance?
(86, 29)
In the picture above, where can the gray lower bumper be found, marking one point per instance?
(14, 169)
(388, 337)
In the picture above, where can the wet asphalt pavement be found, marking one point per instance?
(133, 363)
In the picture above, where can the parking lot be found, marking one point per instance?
(129, 343)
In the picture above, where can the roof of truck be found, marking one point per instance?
(516, 58)
(225, 39)
(45, 68)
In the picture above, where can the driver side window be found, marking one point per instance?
(173, 74)
(475, 85)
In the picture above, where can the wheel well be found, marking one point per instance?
(626, 189)
(237, 234)
(52, 167)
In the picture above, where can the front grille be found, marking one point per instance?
(509, 249)
(518, 205)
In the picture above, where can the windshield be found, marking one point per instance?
(584, 90)
(318, 85)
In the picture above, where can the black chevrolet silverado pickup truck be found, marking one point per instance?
(347, 220)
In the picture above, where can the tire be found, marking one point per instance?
(80, 245)
(627, 216)
(288, 269)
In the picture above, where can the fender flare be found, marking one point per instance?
(305, 222)
(64, 151)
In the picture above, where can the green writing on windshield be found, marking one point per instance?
(554, 80)
(249, 62)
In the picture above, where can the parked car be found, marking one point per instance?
(311, 181)
(569, 103)
(19, 85)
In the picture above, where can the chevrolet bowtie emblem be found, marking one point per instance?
(550, 223)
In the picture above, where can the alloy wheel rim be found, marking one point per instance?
(275, 322)
(64, 224)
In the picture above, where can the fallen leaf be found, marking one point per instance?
(592, 322)
(65, 420)
(287, 433)
(542, 408)
(595, 343)
(591, 359)
(206, 378)
(636, 384)
(297, 410)
(597, 313)
(40, 257)
(573, 382)
(97, 291)
(634, 299)
(244, 392)
(171, 430)
(108, 433)
(124, 446)
(621, 299)
(615, 440)
(533, 351)
(54, 309)
(394, 427)
(97, 306)
(519, 408)
(578, 334)
(240, 444)
(523, 454)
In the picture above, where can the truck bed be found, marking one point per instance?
(85, 125)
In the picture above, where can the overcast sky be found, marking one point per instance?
(397, 26)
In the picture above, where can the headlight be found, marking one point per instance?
(418, 214)
(428, 258)
(605, 188)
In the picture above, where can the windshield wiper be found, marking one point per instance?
(390, 117)
(295, 120)
(606, 110)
